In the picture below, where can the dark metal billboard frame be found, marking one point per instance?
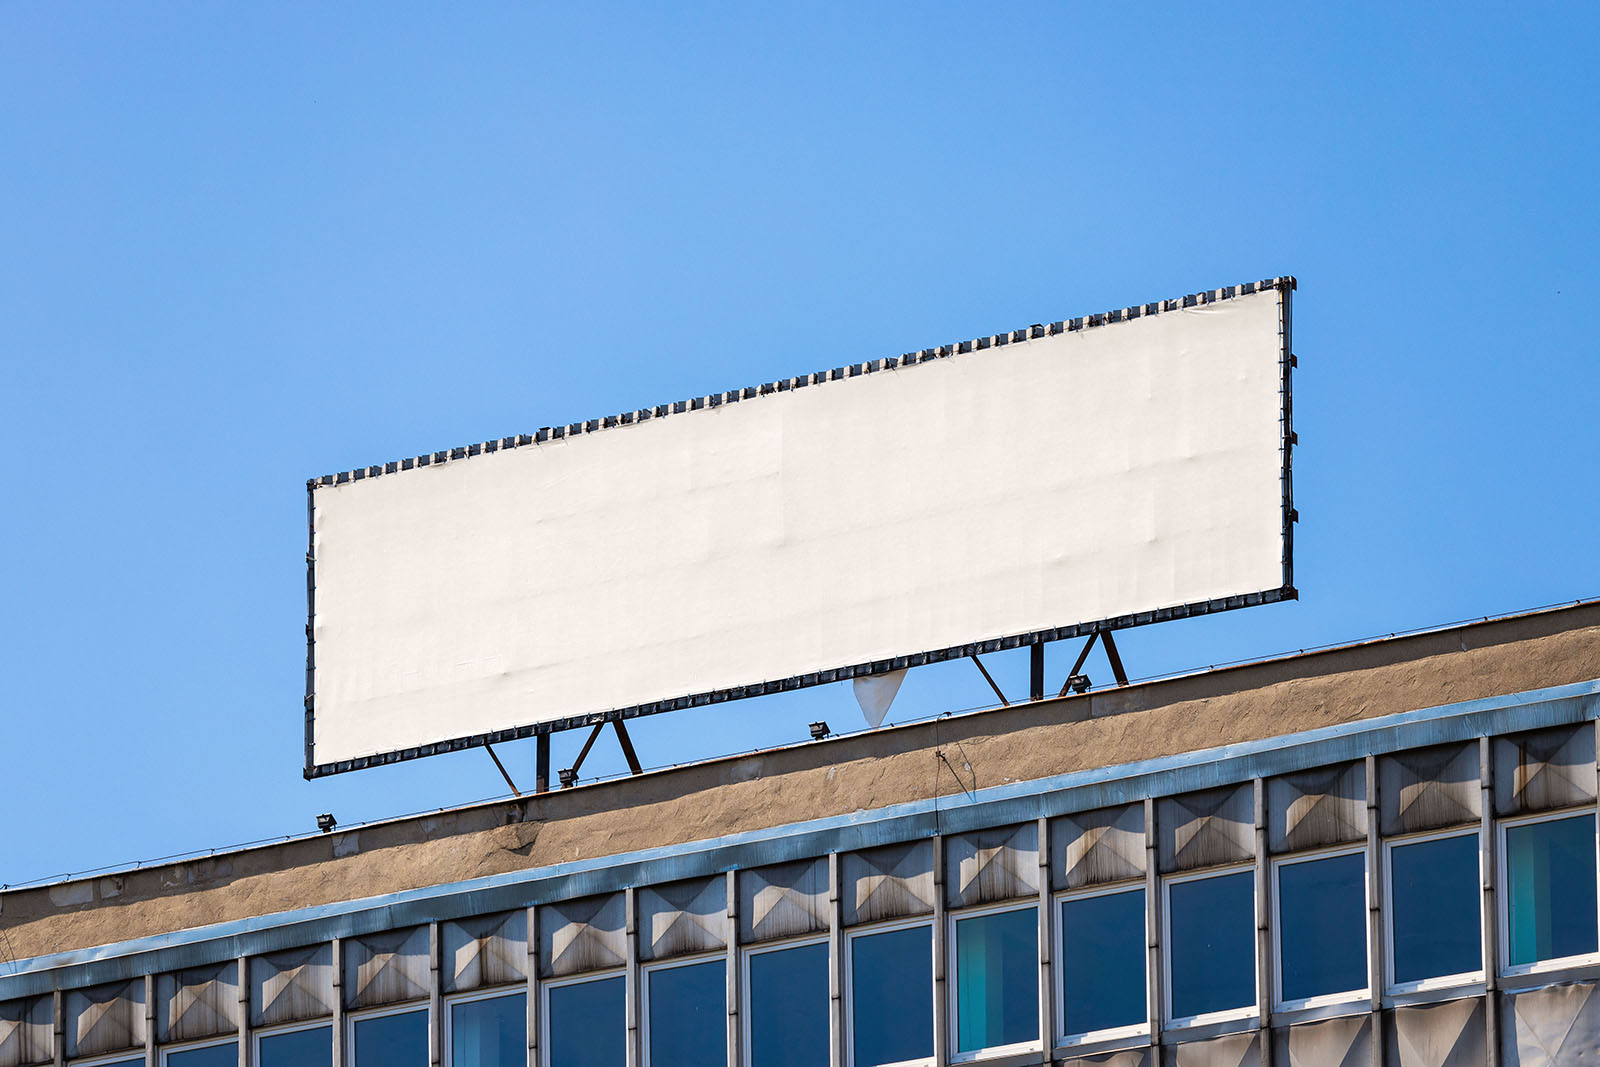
(1285, 286)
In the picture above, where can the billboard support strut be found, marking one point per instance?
(514, 790)
(1115, 658)
(569, 775)
(985, 672)
(541, 760)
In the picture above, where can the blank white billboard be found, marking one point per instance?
(1089, 474)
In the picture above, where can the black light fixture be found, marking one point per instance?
(819, 730)
(1078, 683)
(569, 777)
(326, 822)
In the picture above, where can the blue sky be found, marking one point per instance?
(241, 245)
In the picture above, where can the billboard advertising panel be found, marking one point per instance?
(1088, 474)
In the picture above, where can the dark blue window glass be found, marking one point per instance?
(298, 1048)
(789, 1007)
(689, 1014)
(891, 996)
(1550, 891)
(1212, 930)
(587, 1023)
(1435, 908)
(1322, 926)
(392, 1040)
(997, 979)
(210, 1056)
(490, 1033)
(1103, 962)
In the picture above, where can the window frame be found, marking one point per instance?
(547, 984)
(192, 1046)
(1275, 923)
(1058, 941)
(655, 966)
(952, 984)
(447, 1025)
(290, 1028)
(353, 1017)
(1503, 894)
(850, 936)
(1391, 988)
(1183, 1022)
(745, 953)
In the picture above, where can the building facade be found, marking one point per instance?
(1378, 854)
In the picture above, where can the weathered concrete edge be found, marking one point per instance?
(988, 807)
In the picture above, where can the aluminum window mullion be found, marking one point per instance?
(1488, 867)
(1377, 949)
(1266, 944)
(246, 1051)
(435, 998)
(735, 1052)
(1155, 972)
(534, 1015)
(941, 995)
(1047, 996)
(631, 988)
(150, 1021)
(338, 1002)
(836, 962)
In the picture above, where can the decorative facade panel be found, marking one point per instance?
(26, 1031)
(291, 986)
(788, 900)
(888, 883)
(1096, 847)
(1544, 770)
(583, 935)
(108, 1018)
(1132, 1057)
(1551, 1027)
(1235, 1050)
(1313, 809)
(992, 865)
(485, 950)
(1429, 789)
(198, 1003)
(1343, 1042)
(1207, 829)
(683, 918)
(386, 968)
(1436, 1035)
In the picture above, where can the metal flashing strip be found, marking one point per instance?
(1284, 285)
(990, 807)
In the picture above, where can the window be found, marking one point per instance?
(1549, 890)
(585, 1022)
(686, 1013)
(488, 1031)
(308, 1047)
(996, 981)
(1210, 933)
(395, 1038)
(225, 1054)
(1321, 929)
(1434, 912)
(786, 1013)
(890, 991)
(1103, 964)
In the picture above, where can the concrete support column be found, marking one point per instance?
(941, 994)
(735, 985)
(247, 1054)
(534, 1007)
(1047, 941)
(339, 1043)
(435, 998)
(630, 906)
(836, 962)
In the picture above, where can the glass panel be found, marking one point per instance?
(1213, 953)
(689, 1014)
(1436, 915)
(997, 979)
(300, 1048)
(210, 1056)
(1322, 926)
(490, 1033)
(789, 1007)
(1103, 962)
(891, 996)
(588, 1024)
(1551, 896)
(392, 1040)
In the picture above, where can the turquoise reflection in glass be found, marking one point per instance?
(226, 1055)
(1103, 962)
(399, 1040)
(1212, 933)
(1550, 895)
(587, 1023)
(891, 991)
(1322, 926)
(492, 1032)
(789, 1006)
(689, 1015)
(1435, 908)
(997, 979)
(298, 1048)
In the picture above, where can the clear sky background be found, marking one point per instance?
(242, 245)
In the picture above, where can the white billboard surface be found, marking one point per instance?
(1038, 484)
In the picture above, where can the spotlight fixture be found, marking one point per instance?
(819, 730)
(569, 777)
(1078, 683)
(326, 822)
